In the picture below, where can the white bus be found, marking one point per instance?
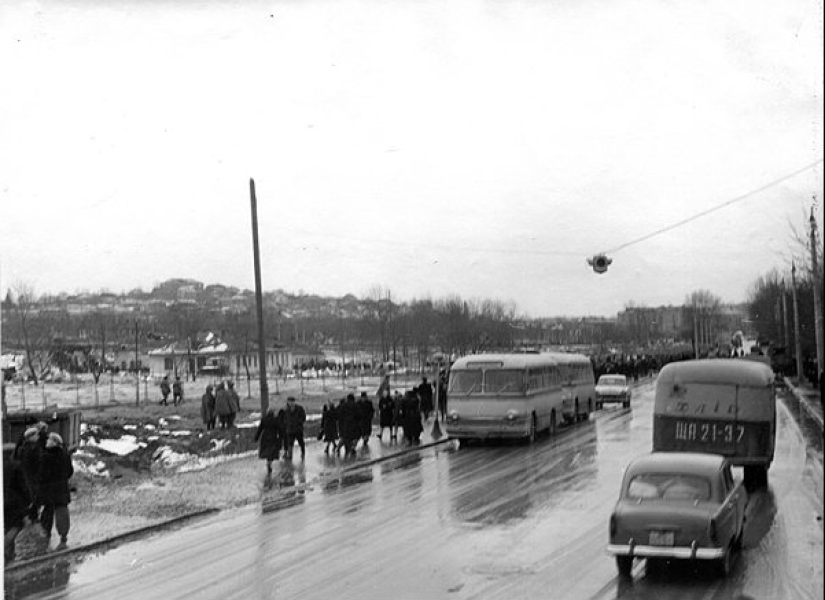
(506, 395)
(578, 385)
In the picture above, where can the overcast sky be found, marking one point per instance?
(432, 147)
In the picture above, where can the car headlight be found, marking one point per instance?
(512, 415)
(453, 415)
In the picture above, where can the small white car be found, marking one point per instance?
(612, 388)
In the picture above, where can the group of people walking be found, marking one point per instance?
(220, 405)
(279, 432)
(36, 474)
(176, 390)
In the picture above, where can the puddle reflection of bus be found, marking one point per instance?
(517, 396)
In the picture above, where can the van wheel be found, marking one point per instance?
(586, 416)
(624, 564)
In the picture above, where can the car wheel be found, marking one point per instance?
(624, 564)
(725, 564)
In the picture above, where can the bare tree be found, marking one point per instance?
(32, 329)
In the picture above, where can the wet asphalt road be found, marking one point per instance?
(498, 521)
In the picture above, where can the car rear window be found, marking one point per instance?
(668, 486)
(612, 381)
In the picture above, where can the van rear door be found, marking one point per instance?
(697, 417)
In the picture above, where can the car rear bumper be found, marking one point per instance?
(686, 552)
(613, 398)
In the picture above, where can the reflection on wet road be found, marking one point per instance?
(496, 521)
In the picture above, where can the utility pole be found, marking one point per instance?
(798, 341)
(259, 303)
(787, 337)
(137, 368)
(817, 295)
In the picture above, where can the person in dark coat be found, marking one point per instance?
(411, 417)
(398, 414)
(329, 426)
(223, 406)
(177, 392)
(366, 411)
(29, 451)
(386, 414)
(54, 473)
(17, 500)
(348, 424)
(165, 390)
(425, 393)
(269, 437)
(208, 408)
(293, 418)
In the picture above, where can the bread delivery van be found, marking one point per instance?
(718, 406)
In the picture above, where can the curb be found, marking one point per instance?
(116, 538)
(804, 402)
(406, 451)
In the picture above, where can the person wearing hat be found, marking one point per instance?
(28, 451)
(53, 482)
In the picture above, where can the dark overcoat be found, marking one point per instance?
(386, 412)
(53, 476)
(16, 495)
(425, 392)
(365, 413)
(329, 423)
(411, 419)
(269, 435)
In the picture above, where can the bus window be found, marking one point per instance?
(504, 381)
(465, 381)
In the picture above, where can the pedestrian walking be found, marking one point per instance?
(329, 426)
(398, 414)
(411, 418)
(177, 392)
(293, 418)
(442, 394)
(165, 390)
(269, 438)
(208, 408)
(366, 411)
(223, 406)
(236, 402)
(425, 393)
(386, 415)
(54, 473)
(348, 424)
(17, 501)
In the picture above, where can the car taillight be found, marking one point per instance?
(712, 531)
(613, 526)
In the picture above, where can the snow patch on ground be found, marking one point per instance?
(121, 447)
(97, 469)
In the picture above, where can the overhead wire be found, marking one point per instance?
(717, 207)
